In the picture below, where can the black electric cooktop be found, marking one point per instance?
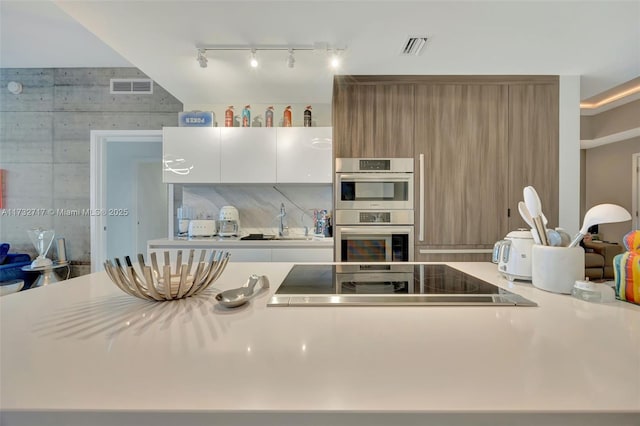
(388, 284)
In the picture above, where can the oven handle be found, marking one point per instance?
(375, 229)
(399, 177)
(421, 200)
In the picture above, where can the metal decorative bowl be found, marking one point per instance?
(159, 283)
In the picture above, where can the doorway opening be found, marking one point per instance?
(127, 194)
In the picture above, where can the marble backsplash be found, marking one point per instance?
(258, 205)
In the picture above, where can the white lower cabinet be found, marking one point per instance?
(324, 254)
(250, 255)
(304, 255)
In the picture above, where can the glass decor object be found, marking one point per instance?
(41, 239)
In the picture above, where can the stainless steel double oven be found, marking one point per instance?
(374, 210)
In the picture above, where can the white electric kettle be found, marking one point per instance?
(513, 255)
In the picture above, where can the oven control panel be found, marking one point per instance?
(375, 165)
(375, 217)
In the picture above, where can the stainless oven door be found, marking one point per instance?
(374, 243)
(363, 191)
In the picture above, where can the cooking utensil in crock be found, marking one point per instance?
(532, 202)
(526, 216)
(554, 238)
(602, 213)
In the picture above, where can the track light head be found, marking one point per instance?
(334, 60)
(291, 61)
(202, 58)
(254, 60)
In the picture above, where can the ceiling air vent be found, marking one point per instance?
(131, 85)
(413, 45)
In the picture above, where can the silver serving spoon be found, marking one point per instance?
(239, 296)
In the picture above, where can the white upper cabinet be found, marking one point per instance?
(248, 154)
(304, 155)
(191, 154)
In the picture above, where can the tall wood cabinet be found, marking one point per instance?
(461, 137)
(372, 118)
(481, 140)
(533, 147)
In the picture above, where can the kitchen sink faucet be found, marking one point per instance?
(283, 230)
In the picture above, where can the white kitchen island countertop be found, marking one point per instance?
(81, 352)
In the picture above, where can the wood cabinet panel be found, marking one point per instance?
(533, 148)
(394, 121)
(353, 115)
(462, 132)
(484, 138)
(373, 120)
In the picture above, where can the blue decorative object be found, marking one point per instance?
(11, 266)
(196, 119)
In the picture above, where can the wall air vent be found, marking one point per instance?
(413, 45)
(137, 86)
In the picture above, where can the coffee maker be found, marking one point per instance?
(228, 222)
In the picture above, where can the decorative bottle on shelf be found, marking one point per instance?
(246, 116)
(307, 116)
(328, 229)
(228, 117)
(268, 117)
(286, 122)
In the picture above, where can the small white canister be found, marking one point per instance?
(556, 269)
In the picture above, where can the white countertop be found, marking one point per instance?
(78, 351)
(236, 242)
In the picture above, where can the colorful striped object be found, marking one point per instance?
(626, 268)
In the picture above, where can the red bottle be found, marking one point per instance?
(286, 122)
(228, 117)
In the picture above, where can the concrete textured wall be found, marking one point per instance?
(44, 146)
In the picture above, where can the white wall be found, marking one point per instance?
(569, 154)
(122, 160)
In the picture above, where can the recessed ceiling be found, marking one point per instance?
(599, 40)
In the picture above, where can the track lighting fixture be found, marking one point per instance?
(290, 59)
(202, 57)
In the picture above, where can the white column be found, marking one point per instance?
(569, 153)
